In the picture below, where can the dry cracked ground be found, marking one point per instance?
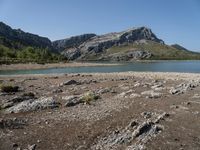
(114, 111)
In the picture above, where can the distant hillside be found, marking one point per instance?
(129, 45)
(177, 46)
(19, 46)
(146, 50)
(19, 38)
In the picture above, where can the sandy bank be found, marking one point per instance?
(153, 75)
(53, 65)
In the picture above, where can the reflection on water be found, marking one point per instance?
(158, 66)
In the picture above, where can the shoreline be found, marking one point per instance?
(157, 75)
(33, 66)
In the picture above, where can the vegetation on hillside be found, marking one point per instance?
(159, 51)
(12, 51)
(28, 54)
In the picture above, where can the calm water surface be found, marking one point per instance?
(157, 66)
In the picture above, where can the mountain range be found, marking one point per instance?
(129, 45)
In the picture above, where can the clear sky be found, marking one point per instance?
(174, 21)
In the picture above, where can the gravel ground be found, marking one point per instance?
(130, 110)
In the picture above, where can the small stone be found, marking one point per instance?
(144, 127)
(159, 89)
(174, 106)
(70, 82)
(7, 105)
(57, 91)
(133, 123)
(121, 95)
(196, 96)
(196, 113)
(135, 95)
(155, 95)
(137, 85)
(82, 147)
(12, 123)
(158, 128)
(146, 115)
(38, 141)
(113, 91)
(32, 147)
(152, 94)
(15, 145)
(176, 139)
(103, 91)
(188, 103)
(161, 117)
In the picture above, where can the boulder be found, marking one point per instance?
(72, 100)
(69, 82)
(183, 87)
(152, 94)
(18, 99)
(33, 105)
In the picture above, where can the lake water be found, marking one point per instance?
(157, 66)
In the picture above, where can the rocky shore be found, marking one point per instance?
(100, 111)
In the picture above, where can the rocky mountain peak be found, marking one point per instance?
(98, 44)
(140, 33)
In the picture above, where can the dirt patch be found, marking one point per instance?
(122, 111)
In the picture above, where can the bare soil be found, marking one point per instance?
(122, 118)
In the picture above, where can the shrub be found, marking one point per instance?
(9, 88)
(89, 96)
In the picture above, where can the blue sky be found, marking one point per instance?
(174, 21)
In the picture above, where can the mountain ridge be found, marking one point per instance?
(131, 44)
(99, 43)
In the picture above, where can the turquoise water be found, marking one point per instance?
(157, 66)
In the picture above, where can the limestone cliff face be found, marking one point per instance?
(71, 42)
(97, 44)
